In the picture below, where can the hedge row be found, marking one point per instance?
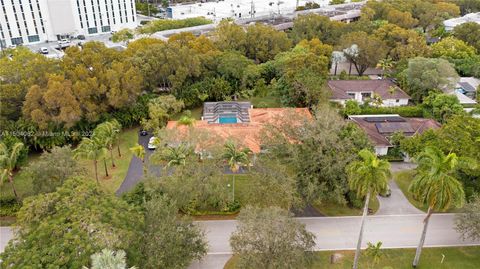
(404, 111)
(162, 25)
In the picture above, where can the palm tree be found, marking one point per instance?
(8, 161)
(374, 251)
(117, 128)
(367, 177)
(174, 156)
(235, 157)
(91, 149)
(139, 152)
(108, 134)
(386, 65)
(435, 185)
(109, 259)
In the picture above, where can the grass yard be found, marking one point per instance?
(403, 180)
(332, 209)
(21, 180)
(196, 113)
(455, 258)
(128, 139)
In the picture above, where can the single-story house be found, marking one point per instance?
(364, 90)
(379, 128)
(238, 121)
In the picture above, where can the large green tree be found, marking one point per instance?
(441, 106)
(424, 75)
(52, 169)
(91, 149)
(312, 26)
(436, 186)
(169, 240)
(63, 228)
(270, 238)
(318, 149)
(264, 42)
(160, 110)
(368, 50)
(468, 32)
(367, 177)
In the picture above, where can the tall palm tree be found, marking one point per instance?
(235, 158)
(139, 151)
(367, 177)
(107, 132)
(435, 185)
(117, 128)
(8, 161)
(91, 149)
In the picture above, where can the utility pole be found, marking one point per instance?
(252, 9)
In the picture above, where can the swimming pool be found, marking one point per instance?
(227, 118)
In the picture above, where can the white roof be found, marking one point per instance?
(471, 17)
(464, 100)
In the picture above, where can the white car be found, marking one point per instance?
(152, 143)
(43, 50)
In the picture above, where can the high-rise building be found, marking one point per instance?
(32, 21)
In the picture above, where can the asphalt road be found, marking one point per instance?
(340, 233)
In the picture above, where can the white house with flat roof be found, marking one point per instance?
(34, 21)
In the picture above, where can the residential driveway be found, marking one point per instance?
(135, 169)
(397, 203)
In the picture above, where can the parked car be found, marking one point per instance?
(81, 37)
(43, 50)
(151, 143)
(143, 132)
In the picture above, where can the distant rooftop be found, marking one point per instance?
(380, 127)
(385, 88)
(451, 23)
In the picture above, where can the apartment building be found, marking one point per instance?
(33, 21)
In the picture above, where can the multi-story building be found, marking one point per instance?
(32, 21)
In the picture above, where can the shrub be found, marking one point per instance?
(404, 111)
(8, 206)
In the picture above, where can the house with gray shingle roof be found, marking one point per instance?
(364, 90)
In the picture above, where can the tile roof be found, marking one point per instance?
(247, 134)
(381, 87)
(378, 132)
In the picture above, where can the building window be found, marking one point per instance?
(106, 29)
(17, 41)
(33, 38)
(366, 95)
(92, 30)
(397, 100)
(351, 95)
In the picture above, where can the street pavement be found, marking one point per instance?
(341, 233)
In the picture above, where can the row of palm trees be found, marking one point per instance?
(103, 140)
(434, 185)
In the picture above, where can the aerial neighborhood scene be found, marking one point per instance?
(254, 134)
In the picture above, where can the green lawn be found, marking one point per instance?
(455, 258)
(403, 180)
(196, 113)
(333, 209)
(128, 139)
(23, 182)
